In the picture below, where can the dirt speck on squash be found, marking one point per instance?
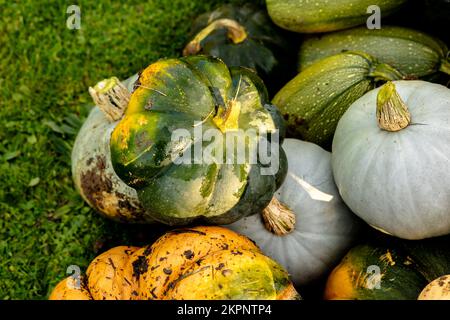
(140, 266)
(167, 271)
(188, 254)
(227, 272)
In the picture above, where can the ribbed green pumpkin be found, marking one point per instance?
(432, 256)
(182, 94)
(355, 278)
(414, 53)
(406, 267)
(325, 15)
(314, 101)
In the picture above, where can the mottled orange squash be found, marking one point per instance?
(71, 289)
(109, 275)
(197, 263)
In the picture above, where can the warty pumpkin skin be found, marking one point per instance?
(413, 53)
(195, 263)
(391, 159)
(313, 102)
(324, 15)
(182, 94)
(244, 36)
(356, 277)
(93, 173)
(322, 229)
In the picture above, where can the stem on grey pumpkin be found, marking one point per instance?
(236, 33)
(445, 66)
(278, 218)
(392, 113)
(385, 72)
(112, 97)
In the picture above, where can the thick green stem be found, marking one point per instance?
(112, 97)
(278, 218)
(236, 33)
(392, 113)
(385, 72)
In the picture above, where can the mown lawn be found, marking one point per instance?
(45, 70)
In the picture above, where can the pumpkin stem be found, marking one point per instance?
(278, 218)
(112, 97)
(445, 66)
(227, 119)
(236, 33)
(384, 72)
(392, 112)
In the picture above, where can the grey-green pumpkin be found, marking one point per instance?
(391, 159)
(92, 170)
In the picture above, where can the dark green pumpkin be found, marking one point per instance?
(413, 53)
(432, 256)
(325, 15)
(315, 100)
(356, 278)
(406, 268)
(184, 94)
(244, 36)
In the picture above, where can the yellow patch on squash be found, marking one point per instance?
(341, 282)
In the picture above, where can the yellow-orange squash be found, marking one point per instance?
(197, 263)
(70, 289)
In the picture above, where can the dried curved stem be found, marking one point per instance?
(236, 33)
(112, 97)
(278, 218)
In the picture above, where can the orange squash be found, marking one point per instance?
(197, 263)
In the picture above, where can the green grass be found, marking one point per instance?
(45, 70)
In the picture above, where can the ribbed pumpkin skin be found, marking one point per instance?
(325, 15)
(314, 101)
(412, 52)
(109, 275)
(179, 94)
(325, 228)
(398, 181)
(265, 49)
(432, 256)
(198, 263)
(353, 278)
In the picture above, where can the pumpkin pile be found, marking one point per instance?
(359, 140)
